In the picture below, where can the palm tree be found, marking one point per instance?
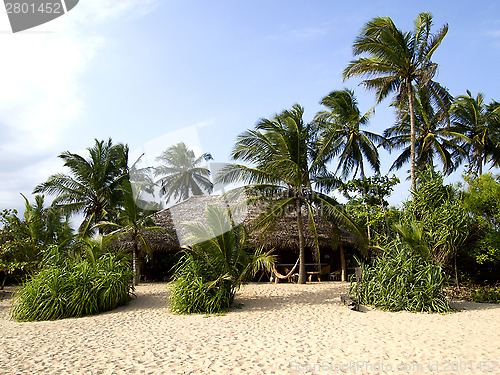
(340, 125)
(131, 224)
(183, 175)
(91, 186)
(397, 61)
(435, 139)
(288, 166)
(481, 125)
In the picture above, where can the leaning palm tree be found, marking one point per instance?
(435, 138)
(131, 224)
(340, 125)
(481, 125)
(398, 60)
(183, 175)
(91, 185)
(288, 169)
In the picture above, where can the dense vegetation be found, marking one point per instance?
(442, 234)
(213, 269)
(67, 287)
(402, 279)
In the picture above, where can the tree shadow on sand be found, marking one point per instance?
(462, 305)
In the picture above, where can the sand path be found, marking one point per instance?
(280, 329)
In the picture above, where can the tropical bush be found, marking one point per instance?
(368, 207)
(73, 288)
(25, 238)
(212, 270)
(490, 294)
(482, 200)
(438, 211)
(402, 279)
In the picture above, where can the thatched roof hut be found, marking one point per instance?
(283, 235)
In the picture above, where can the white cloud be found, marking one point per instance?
(40, 95)
(99, 11)
(40, 90)
(202, 124)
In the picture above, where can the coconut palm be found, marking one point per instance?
(340, 125)
(288, 166)
(435, 138)
(183, 174)
(91, 185)
(481, 124)
(131, 224)
(397, 61)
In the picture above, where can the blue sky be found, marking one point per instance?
(142, 69)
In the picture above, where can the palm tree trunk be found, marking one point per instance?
(413, 135)
(302, 255)
(4, 278)
(343, 274)
(134, 264)
(385, 217)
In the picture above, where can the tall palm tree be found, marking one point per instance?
(131, 224)
(397, 61)
(481, 124)
(288, 166)
(91, 185)
(183, 174)
(340, 125)
(435, 138)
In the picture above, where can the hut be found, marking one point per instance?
(283, 237)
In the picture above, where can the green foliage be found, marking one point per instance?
(182, 175)
(402, 279)
(396, 62)
(132, 223)
(288, 172)
(480, 124)
(435, 139)
(486, 294)
(91, 186)
(482, 199)
(212, 270)
(23, 240)
(340, 126)
(437, 211)
(73, 288)
(368, 207)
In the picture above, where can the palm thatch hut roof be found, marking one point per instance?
(283, 235)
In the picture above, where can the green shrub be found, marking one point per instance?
(73, 288)
(211, 271)
(489, 294)
(198, 290)
(402, 280)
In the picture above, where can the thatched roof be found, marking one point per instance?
(283, 235)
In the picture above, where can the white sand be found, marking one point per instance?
(284, 328)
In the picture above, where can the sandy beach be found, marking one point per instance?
(279, 329)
